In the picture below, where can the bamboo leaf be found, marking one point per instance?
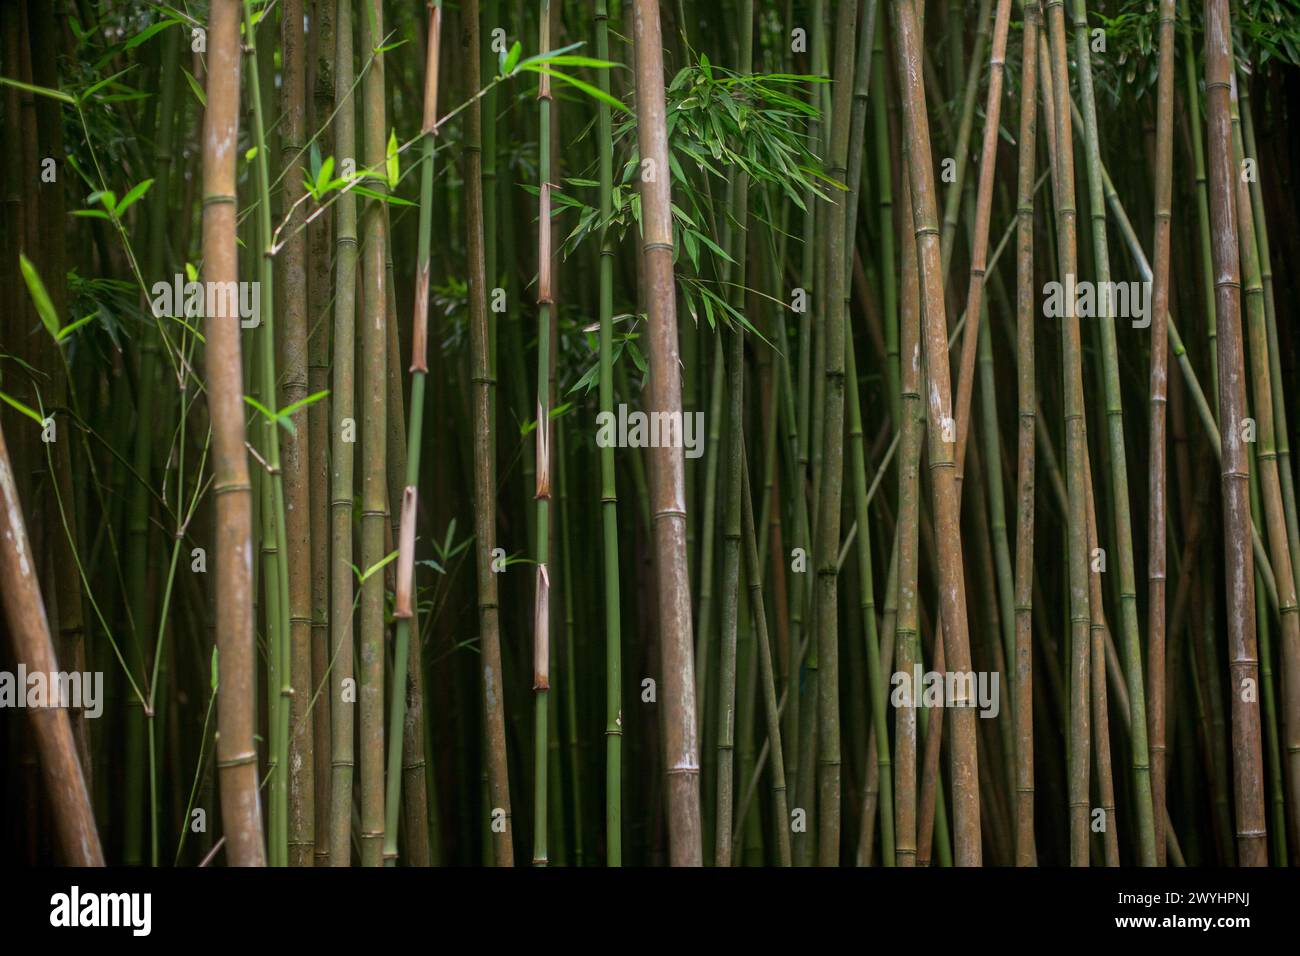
(22, 408)
(133, 195)
(40, 297)
(587, 88)
(39, 90)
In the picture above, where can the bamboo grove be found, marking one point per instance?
(584, 433)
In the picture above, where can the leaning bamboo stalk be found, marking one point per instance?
(1270, 488)
(1235, 469)
(1118, 455)
(343, 404)
(1159, 392)
(241, 814)
(30, 632)
(1075, 447)
(374, 347)
(980, 237)
(952, 587)
(404, 599)
(1027, 403)
(1274, 352)
(668, 494)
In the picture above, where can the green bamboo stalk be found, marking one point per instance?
(274, 535)
(956, 189)
(342, 699)
(1118, 456)
(608, 483)
(404, 600)
(829, 499)
(542, 492)
(1193, 93)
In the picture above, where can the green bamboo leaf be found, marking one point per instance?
(39, 90)
(147, 32)
(73, 326)
(195, 88)
(40, 298)
(593, 92)
(392, 161)
(135, 193)
(378, 565)
(303, 402)
(22, 408)
(509, 60)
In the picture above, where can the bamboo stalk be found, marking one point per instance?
(296, 447)
(33, 647)
(1156, 547)
(274, 534)
(1270, 489)
(1235, 470)
(668, 501)
(1118, 455)
(964, 768)
(374, 346)
(542, 488)
(608, 483)
(1027, 404)
(236, 757)
(342, 457)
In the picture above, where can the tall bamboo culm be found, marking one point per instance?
(241, 810)
(374, 347)
(667, 472)
(1243, 659)
(941, 438)
(342, 458)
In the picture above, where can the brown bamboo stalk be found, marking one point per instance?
(668, 491)
(30, 633)
(952, 593)
(1075, 447)
(374, 347)
(1022, 688)
(1159, 392)
(241, 815)
(1239, 579)
(295, 445)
